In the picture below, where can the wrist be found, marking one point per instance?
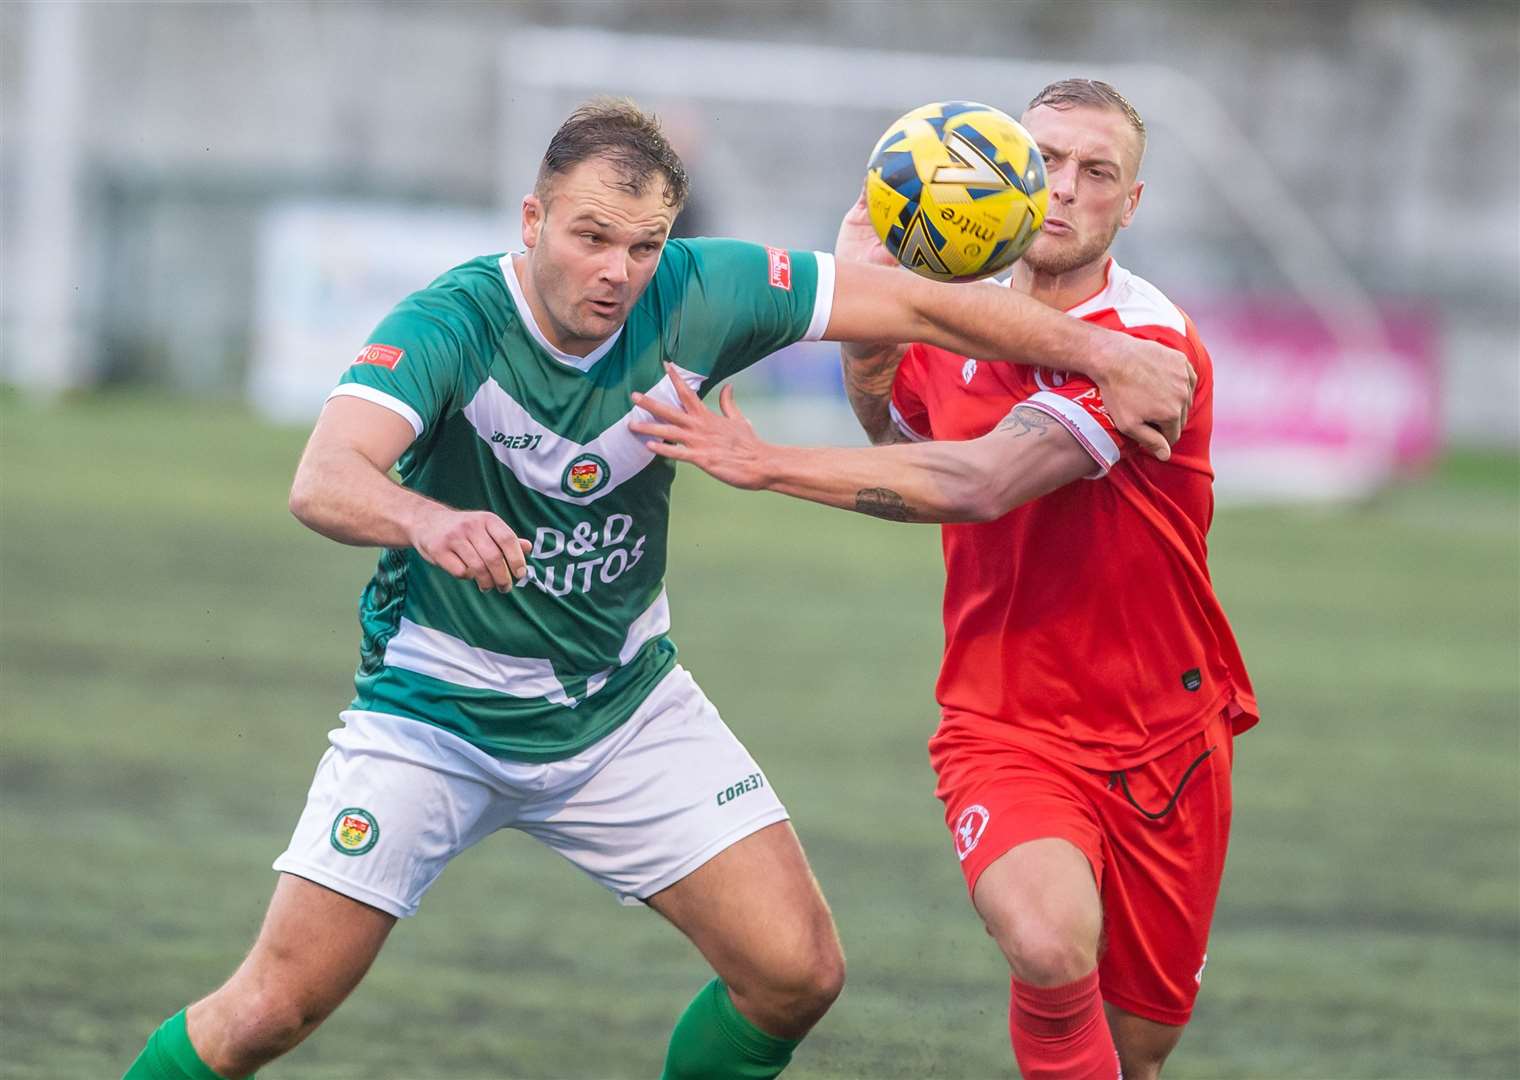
(771, 465)
(1100, 352)
(418, 516)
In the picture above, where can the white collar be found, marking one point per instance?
(514, 286)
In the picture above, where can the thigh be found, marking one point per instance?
(754, 910)
(998, 798)
(312, 950)
(1163, 875)
(314, 946)
(676, 791)
(1040, 904)
(392, 802)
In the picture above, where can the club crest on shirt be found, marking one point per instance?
(969, 828)
(585, 475)
(1049, 378)
(968, 369)
(354, 831)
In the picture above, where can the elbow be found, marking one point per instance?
(989, 502)
(303, 500)
(983, 509)
(972, 503)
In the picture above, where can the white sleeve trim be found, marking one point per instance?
(902, 424)
(380, 397)
(823, 300)
(1077, 420)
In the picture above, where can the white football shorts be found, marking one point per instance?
(395, 799)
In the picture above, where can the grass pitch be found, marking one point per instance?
(173, 647)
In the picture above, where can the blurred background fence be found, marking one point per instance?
(223, 198)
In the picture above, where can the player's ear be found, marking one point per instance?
(532, 220)
(1131, 203)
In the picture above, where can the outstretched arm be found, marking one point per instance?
(1147, 387)
(1027, 455)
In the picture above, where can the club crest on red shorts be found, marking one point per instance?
(969, 828)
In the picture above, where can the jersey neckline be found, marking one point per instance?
(1081, 307)
(520, 301)
(1086, 307)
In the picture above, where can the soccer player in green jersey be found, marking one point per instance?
(515, 669)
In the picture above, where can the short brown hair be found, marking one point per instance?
(1069, 93)
(620, 133)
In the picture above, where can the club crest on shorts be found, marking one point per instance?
(585, 475)
(354, 831)
(969, 828)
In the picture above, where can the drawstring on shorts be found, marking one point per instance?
(1117, 776)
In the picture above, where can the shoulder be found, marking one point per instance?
(737, 264)
(1133, 305)
(481, 277)
(1132, 302)
(455, 317)
(683, 264)
(693, 253)
(471, 293)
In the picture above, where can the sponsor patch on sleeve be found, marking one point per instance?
(781, 268)
(387, 356)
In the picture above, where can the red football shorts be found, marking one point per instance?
(1155, 836)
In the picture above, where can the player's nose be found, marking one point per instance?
(615, 267)
(1062, 181)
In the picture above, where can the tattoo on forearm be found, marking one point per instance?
(883, 503)
(1023, 421)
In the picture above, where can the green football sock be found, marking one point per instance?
(169, 1056)
(714, 1041)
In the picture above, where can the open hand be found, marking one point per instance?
(857, 240)
(722, 444)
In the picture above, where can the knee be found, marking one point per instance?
(253, 1026)
(1148, 1069)
(813, 983)
(1044, 954)
(278, 1019)
(792, 995)
(827, 978)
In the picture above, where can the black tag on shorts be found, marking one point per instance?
(1192, 679)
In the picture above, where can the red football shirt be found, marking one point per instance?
(1083, 624)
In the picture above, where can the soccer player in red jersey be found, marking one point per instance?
(1091, 686)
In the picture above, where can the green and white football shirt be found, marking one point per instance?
(507, 423)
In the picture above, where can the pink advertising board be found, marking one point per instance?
(1301, 412)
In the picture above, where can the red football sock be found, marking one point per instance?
(1060, 1032)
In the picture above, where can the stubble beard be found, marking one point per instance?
(1058, 259)
(554, 291)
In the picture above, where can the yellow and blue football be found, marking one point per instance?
(956, 190)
